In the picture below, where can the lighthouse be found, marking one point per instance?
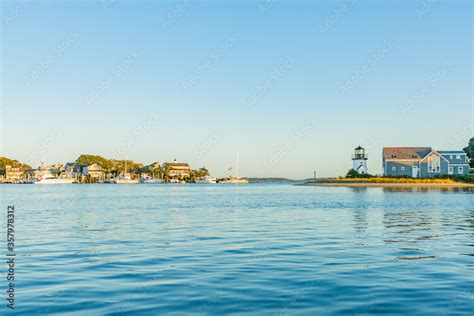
(359, 160)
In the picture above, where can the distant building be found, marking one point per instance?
(155, 165)
(359, 160)
(423, 162)
(94, 171)
(177, 169)
(14, 173)
(71, 170)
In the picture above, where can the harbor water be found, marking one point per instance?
(257, 249)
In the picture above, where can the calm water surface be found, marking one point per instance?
(255, 249)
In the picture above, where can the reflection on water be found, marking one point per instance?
(254, 249)
(427, 189)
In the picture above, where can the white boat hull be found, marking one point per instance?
(55, 181)
(235, 181)
(126, 181)
(205, 181)
(151, 181)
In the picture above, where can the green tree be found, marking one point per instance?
(470, 152)
(199, 173)
(4, 161)
(125, 166)
(86, 160)
(354, 174)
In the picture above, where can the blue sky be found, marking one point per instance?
(292, 86)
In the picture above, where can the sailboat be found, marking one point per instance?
(126, 178)
(236, 179)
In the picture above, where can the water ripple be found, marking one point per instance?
(256, 249)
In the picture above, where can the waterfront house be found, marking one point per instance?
(38, 173)
(423, 162)
(93, 171)
(155, 165)
(151, 170)
(56, 172)
(14, 173)
(30, 174)
(72, 170)
(177, 169)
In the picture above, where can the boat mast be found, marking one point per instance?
(237, 167)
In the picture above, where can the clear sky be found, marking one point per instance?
(292, 86)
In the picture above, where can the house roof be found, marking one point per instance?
(94, 166)
(406, 162)
(176, 164)
(447, 154)
(451, 152)
(406, 152)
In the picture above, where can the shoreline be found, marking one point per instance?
(393, 185)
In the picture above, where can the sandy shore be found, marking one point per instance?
(394, 185)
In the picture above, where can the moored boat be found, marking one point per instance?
(126, 179)
(206, 180)
(48, 178)
(235, 180)
(150, 180)
(177, 181)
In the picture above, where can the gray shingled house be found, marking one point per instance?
(423, 162)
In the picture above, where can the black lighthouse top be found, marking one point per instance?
(359, 153)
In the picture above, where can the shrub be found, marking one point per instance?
(351, 174)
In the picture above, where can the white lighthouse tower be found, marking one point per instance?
(359, 160)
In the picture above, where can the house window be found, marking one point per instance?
(460, 170)
(451, 157)
(450, 170)
(394, 168)
(434, 164)
(402, 168)
(458, 157)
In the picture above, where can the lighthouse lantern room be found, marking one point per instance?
(359, 160)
